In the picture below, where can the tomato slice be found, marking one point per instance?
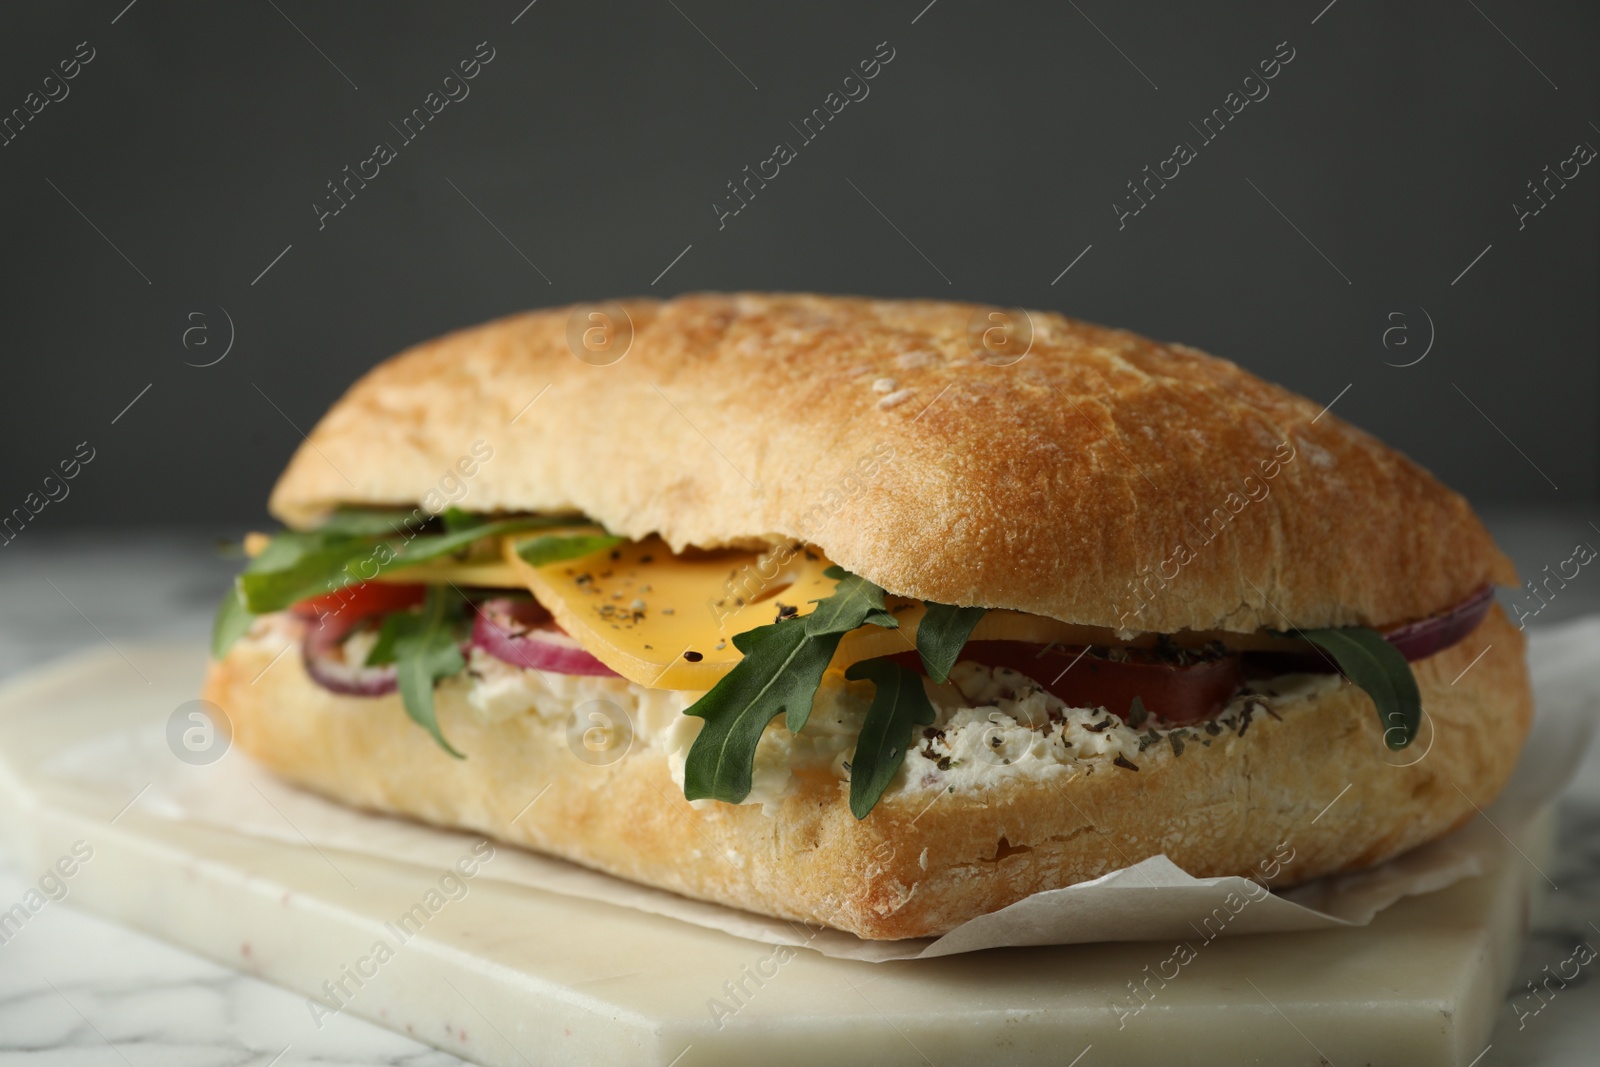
(1176, 693)
(343, 608)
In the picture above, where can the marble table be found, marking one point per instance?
(77, 990)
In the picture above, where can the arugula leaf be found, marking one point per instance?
(293, 558)
(899, 705)
(553, 548)
(350, 548)
(1375, 665)
(455, 518)
(422, 549)
(296, 566)
(233, 619)
(942, 634)
(373, 522)
(782, 668)
(381, 654)
(352, 545)
(854, 602)
(425, 647)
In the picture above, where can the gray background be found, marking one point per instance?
(188, 154)
(191, 149)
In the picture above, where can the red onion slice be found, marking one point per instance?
(522, 633)
(323, 651)
(1420, 639)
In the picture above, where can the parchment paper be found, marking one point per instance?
(1151, 900)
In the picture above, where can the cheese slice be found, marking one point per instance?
(481, 574)
(668, 621)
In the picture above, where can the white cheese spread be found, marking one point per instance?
(991, 723)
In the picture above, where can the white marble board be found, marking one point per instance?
(508, 975)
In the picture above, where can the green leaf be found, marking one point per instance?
(781, 669)
(422, 549)
(382, 653)
(426, 650)
(288, 547)
(854, 602)
(455, 519)
(290, 560)
(233, 619)
(373, 522)
(553, 548)
(297, 566)
(352, 545)
(899, 706)
(942, 634)
(1375, 665)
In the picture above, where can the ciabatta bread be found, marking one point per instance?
(1061, 484)
(913, 867)
(1096, 477)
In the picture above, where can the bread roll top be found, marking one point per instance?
(952, 452)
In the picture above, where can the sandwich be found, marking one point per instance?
(874, 614)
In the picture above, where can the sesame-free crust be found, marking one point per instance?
(912, 868)
(1102, 478)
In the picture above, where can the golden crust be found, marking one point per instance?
(910, 869)
(1102, 479)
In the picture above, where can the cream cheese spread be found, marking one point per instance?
(991, 723)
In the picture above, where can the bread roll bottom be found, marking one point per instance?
(943, 845)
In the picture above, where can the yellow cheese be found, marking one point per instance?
(484, 574)
(668, 621)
